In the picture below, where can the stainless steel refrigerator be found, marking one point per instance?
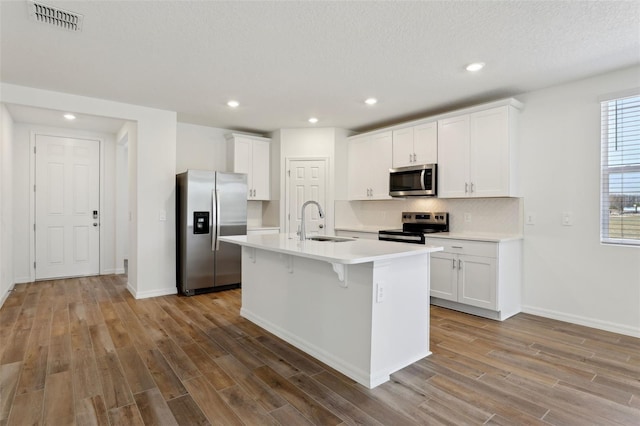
(209, 205)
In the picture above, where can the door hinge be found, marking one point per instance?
(289, 216)
(34, 188)
(34, 149)
(34, 265)
(289, 173)
(34, 226)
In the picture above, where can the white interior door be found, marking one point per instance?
(307, 181)
(67, 208)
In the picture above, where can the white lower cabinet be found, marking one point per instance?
(477, 277)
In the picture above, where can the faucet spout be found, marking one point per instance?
(303, 232)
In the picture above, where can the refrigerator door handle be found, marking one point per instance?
(217, 198)
(214, 220)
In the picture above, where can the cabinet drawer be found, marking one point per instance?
(470, 248)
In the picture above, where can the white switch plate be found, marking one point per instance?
(530, 218)
(467, 217)
(567, 218)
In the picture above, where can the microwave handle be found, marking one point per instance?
(422, 179)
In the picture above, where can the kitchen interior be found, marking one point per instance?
(498, 189)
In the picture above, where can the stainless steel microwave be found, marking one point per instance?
(413, 181)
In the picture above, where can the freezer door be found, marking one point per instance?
(231, 202)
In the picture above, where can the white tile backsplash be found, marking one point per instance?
(487, 215)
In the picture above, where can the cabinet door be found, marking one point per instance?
(489, 153)
(242, 157)
(425, 143)
(477, 281)
(359, 168)
(379, 163)
(403, 147)
(444, 276)
(453, 157)
(260, 170)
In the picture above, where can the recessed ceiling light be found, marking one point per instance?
(69, 116)
(476, 66)
(233, 104)
(371, 101)
(313, 120)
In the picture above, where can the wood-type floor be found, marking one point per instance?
(83, 351)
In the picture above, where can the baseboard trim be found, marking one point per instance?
(5, 296)
(23, 280)
(150, 293)
(587, 322)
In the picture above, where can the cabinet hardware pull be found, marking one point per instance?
(453, 261)
(466, 187)
(410, 159)
(458, 247)
(472, 187)
(459, 264)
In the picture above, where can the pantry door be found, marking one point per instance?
(67, 207)
(306, 181)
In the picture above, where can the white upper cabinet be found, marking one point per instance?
(415, 145)
(250, 155)
(369, 161)
(476, 154)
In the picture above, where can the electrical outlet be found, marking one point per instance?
(530, 218)
(379, 292)
(467, 217)
(567, 218)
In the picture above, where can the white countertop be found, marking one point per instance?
(476, 236)
(369, 229)
(262, 228)
(471, 236)
(348, 252)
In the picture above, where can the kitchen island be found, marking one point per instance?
(361, 307)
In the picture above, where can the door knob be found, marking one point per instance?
(95, 224)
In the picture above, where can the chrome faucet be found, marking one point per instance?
(303, 232)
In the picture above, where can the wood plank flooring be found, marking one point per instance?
(83, 351)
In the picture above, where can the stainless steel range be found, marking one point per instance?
(415, 227)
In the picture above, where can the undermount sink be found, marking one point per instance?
(330, 239)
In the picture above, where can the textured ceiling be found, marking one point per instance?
(287, 61)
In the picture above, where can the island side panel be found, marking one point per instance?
(400, 320)
(303, 302)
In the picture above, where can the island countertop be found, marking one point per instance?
(349, 252)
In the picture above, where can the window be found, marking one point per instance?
(620, 179)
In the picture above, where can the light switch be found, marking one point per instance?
(567, 219)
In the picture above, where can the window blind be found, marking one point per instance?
(620, 178)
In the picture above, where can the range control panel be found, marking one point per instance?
(437, 218)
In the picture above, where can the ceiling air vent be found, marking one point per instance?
(57, 17)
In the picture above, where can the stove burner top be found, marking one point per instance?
(415, 226)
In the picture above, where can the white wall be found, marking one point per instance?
(152, 185)
(122, 199)
(201, 147)
(6, 204)
(568, 274)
